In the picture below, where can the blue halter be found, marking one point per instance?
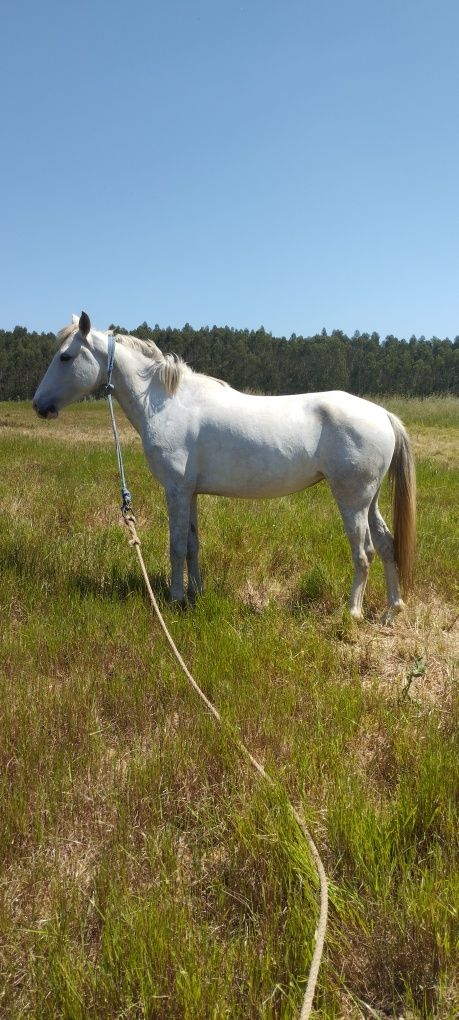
(125, 494)
(110, 362)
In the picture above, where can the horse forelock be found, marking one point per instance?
(65, 332)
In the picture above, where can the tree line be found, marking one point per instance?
(254, 359)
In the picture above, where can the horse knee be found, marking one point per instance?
(178, 547)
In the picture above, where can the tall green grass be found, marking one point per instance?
(428, 411)
(146, 873)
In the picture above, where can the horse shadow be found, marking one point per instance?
(116, 584)
(315, 590)
(119, 587)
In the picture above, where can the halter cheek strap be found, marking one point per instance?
(125, 494)
(110, 363)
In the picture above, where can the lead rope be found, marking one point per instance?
(130, 522)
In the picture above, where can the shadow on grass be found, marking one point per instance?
(315, 593)
(120, 586)
(27, 561)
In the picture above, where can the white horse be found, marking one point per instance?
(201, 436)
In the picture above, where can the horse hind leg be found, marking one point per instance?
(384, 545)
(359, 535)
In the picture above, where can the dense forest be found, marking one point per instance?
(254, 359)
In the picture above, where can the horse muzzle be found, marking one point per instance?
(45, 412)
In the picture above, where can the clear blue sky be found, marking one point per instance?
(291, 163)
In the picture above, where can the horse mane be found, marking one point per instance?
(168, 368)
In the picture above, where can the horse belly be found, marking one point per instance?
(262, 473)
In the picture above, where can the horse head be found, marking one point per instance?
(76, 370)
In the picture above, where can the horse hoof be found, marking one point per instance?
(178, 602)
(356, 615)
(387, 618)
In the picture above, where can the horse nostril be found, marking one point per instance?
(45, 412)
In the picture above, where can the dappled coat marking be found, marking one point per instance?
(201, 436)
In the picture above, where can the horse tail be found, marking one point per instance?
(402, 477)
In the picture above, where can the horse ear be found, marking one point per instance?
(75, 320)
(84, 324)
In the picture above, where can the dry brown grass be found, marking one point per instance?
(438, 444)
(258, 596)
(418, 657)
(81, 423)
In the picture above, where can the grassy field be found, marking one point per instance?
(146, 872)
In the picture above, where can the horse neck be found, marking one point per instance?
(131, 383)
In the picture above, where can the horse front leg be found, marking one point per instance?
(192, 554)
(178, 505)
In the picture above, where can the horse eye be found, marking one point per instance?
(66, 357)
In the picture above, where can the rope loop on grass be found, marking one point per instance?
(308, 998)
